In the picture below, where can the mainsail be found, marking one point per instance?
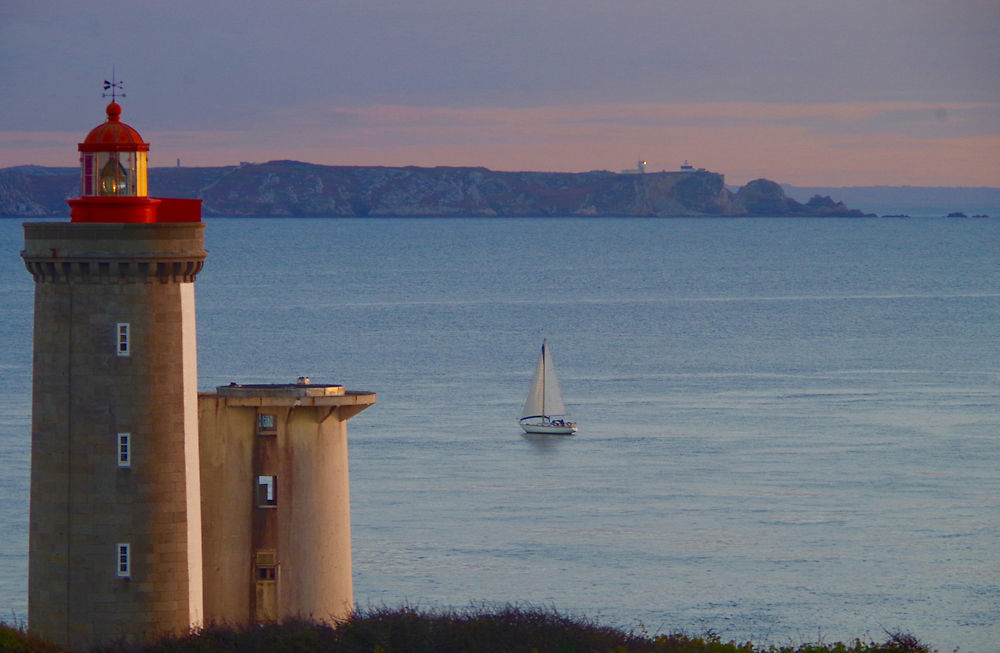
(545, 397)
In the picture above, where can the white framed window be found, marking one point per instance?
(267, 491)
(122, 343)
(124, 564)
(124, 446)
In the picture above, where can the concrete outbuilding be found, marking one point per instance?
(276, 501)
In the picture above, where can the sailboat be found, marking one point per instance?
(544, 411)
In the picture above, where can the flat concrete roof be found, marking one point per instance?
(292, 394)
(305, 389)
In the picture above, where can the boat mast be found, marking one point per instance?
(543, 380)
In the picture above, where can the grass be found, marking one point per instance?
(477, 630)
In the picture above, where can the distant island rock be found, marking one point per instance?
(296, 189)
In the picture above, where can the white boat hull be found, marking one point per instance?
(548, 429)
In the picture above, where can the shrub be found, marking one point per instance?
(510, 629)
(15, 639)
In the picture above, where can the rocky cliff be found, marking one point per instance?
(292, 188)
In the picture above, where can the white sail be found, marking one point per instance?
(545, 397)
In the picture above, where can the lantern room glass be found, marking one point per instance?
(114, 178)
(113, 174)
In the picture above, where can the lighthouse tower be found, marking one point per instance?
(115, 526)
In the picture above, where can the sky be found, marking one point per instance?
(803, 92)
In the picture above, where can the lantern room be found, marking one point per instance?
(113, 159)
(114, 179)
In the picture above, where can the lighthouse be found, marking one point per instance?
(115, 522)
(156, 508)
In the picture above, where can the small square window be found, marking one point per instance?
(267, 491)
(124, 450)
(267, 424)
(124, 560)
(266, 565)
(122, 334)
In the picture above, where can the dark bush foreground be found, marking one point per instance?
(15, 640)
(406, 630)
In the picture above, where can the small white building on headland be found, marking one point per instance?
(640, 168)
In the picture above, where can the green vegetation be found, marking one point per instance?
(406, 630)
(15, 640)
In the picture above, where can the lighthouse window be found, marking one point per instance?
(123, 345)
(267, 491)
(266, 565)
(124, 560)
(124, 450)
(88, 174)
(267, 424)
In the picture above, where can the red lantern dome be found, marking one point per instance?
(114, 135)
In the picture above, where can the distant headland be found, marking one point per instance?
(296, 189)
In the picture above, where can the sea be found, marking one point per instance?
(789, 429)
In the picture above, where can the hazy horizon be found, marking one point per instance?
(835, 94)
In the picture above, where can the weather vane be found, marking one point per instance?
(117, 88)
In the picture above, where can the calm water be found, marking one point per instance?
(789, 428)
